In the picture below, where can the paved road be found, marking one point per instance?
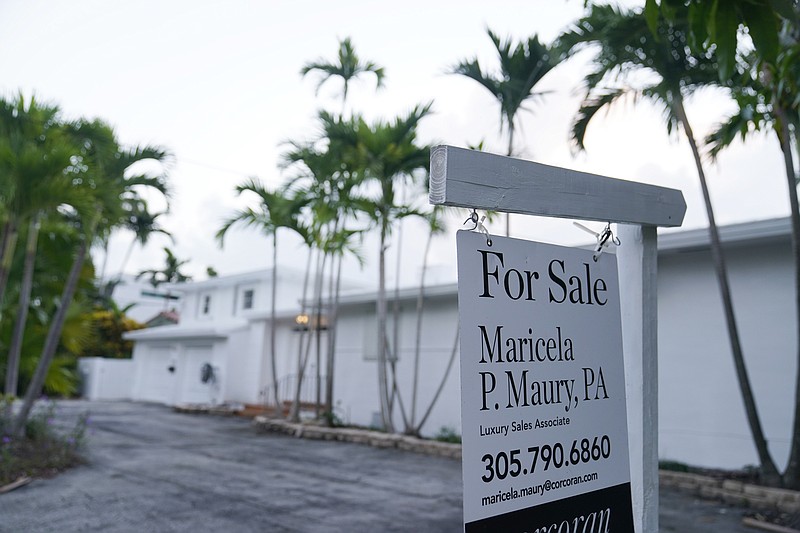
(151, 469)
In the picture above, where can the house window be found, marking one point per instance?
(247, 299)
(206, 304)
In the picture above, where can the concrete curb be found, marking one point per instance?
(203, 409)
(360, 436)
(728, 490)
(733, 492)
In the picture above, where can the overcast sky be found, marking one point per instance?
(218, 83)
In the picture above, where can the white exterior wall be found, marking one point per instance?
(242, 359)
(356, 371)
(106, 379)
(701, 414)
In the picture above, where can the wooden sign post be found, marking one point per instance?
(466, 178)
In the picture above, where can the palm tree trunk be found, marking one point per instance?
(294, 413)
(791, 477)
(7, 255)
(418, 337)
(125, 260)
(318, 337)
(51, 342)
(332, 320)
(3, 240)
(395, 346)
(15, 349)
(396, 393)
(273, 356)
(768, 469)
(102, 275)
(442, 383)
(510, 154)
(383, 385)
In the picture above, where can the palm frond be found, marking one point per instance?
(590, 106)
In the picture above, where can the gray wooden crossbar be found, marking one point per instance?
(466, 178)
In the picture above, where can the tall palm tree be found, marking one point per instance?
(626, 49)
(387, 152)
(522, 67)
(275, 210)
(144, 224)
(329, 175)
(765, 94)
(346, 66)
(34, 157)
(100, 175)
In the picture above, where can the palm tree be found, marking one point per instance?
(330, 179)
(627, 49)
(56, 325)
(387, 152)
(34, 156)
(435, 227)
(339, 244)
(170, 273)
(347, 66)
(764, 95)
(143, 224)
(522, 67)
(276, 210)
(99, 175)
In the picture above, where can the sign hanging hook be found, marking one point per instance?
(478, 225)
(604, 239)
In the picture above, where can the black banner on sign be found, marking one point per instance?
(602, 511)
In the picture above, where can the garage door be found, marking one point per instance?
(159, 371)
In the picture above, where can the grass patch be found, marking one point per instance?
(447, 434)
(44, 450)
(673, 466)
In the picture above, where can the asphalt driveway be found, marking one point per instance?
(151, 469)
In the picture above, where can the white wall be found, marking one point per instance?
(106, 379)
(356, 375)
(701, 418)
(241, 358)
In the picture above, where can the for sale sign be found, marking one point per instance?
(544, 428)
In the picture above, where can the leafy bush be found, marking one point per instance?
(332, 419)
(108, 327)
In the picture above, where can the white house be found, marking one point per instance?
(225, 322)
(217, 351)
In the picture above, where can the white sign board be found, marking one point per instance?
(544, 427)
